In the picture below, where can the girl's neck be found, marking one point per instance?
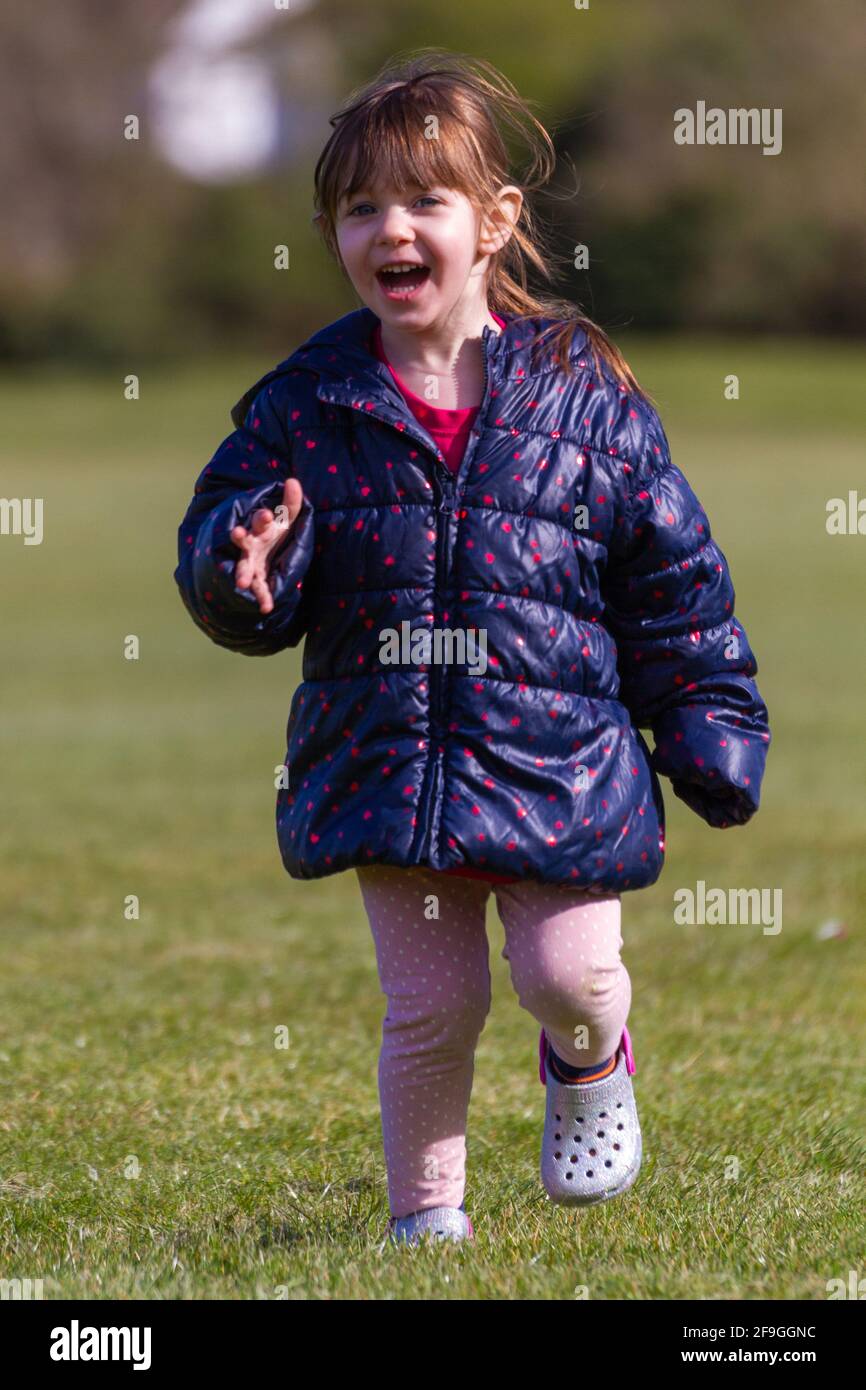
(450, 362)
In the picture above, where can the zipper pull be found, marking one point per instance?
(447, 503)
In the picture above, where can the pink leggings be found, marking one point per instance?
(562, 946)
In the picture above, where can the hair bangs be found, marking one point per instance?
(387, 144)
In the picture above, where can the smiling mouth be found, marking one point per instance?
(402, 284)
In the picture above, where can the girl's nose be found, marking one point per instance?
(395, 226)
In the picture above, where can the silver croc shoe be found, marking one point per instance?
(433, 1223)
(592, 1146)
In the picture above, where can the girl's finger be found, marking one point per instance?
(262, 593)
(293, 496)
(251, 563)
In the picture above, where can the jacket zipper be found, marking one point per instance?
(450, 491)
(449, 485)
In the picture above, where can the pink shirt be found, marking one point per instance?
(449, 429)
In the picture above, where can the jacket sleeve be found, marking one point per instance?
(685, 662)
(247, 471)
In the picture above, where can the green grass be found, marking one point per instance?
(154, 1142)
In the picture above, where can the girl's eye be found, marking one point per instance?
(424, 198)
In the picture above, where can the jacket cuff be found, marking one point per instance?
(234, 609)
(714, 763)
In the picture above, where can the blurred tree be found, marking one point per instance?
(105, 249)
(741, 239)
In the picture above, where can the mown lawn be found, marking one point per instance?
(154, 1143)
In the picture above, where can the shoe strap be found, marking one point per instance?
(629, 1055)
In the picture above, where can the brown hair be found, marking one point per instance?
(381, 131)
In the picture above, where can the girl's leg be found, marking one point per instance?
(563, 947)
(435, 974)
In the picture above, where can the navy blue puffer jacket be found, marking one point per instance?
(568, 537)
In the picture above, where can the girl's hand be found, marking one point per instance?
(266, 532)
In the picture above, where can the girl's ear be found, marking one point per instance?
(498, 223)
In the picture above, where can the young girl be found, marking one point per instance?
(459, 459)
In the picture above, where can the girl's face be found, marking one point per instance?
(433, 230)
